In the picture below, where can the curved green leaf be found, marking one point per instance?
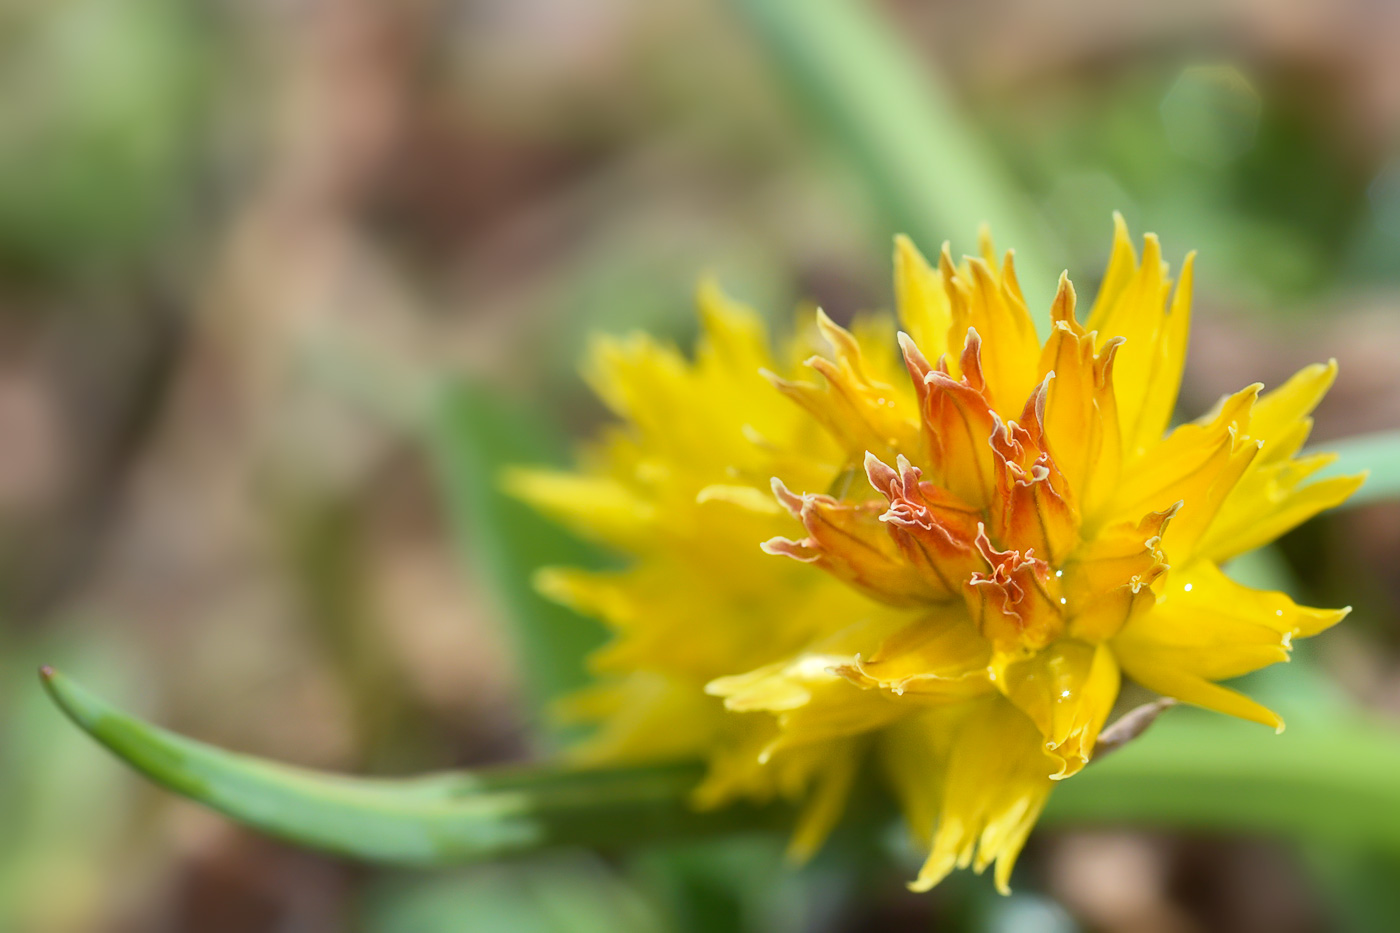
(1379, 453)
(427, 821)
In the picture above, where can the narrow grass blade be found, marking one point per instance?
(925, 164)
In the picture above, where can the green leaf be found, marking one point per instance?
(1336, 780)
(474, 434)
(924, 162)
(1379, 453)
(428, 821)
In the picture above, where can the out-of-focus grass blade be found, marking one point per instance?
(1334, 781)
(929, 171)
(427, 821)
(1379, 453)
(475, 434)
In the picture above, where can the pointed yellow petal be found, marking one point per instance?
(1270, 503)
(1110, 579)
(643, 717)
(996, 784)
(1013, 348)
(1081, 411)
(924, 312)
(986, 246)
(593, 507)
(860, 411)
(1271, 497)
(1279, 412)
(1168, 359)
(1203, 495)
(1122, 264)
(1188, 688)
(733, 336)
(603, 596)
(913, 754)
(1067, 690)
(814, 702)
(1197, 465)
(1138, 315)
(744, 497)
(826, 802)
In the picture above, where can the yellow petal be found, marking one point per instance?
(1203, 494)
(1207, 627)
(913, 754)
(1067, 690)
(642, 717)
(995, 785)
(1197, 691)
(594, 507)
(1214, 628)
(733, 337)
(1081, 410)
(1278, 413)
(603, 596)
(635, 376)
(826, 801)
(744, 497)
(1137, 316)
(938, 656)
(1167, 362)
(1197, 465)
(1270, 501)
(1000, 317)
(924, 312)
(1132, 304)
(860, 412)
(1110, 579)
(813, 702)
(737, 770)
(1122, 265)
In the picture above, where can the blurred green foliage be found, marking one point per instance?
(100, 101)
(475, 436)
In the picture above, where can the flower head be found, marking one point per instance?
(942, 556)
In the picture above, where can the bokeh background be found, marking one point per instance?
(243, 244)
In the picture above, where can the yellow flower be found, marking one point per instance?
(967, 537)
